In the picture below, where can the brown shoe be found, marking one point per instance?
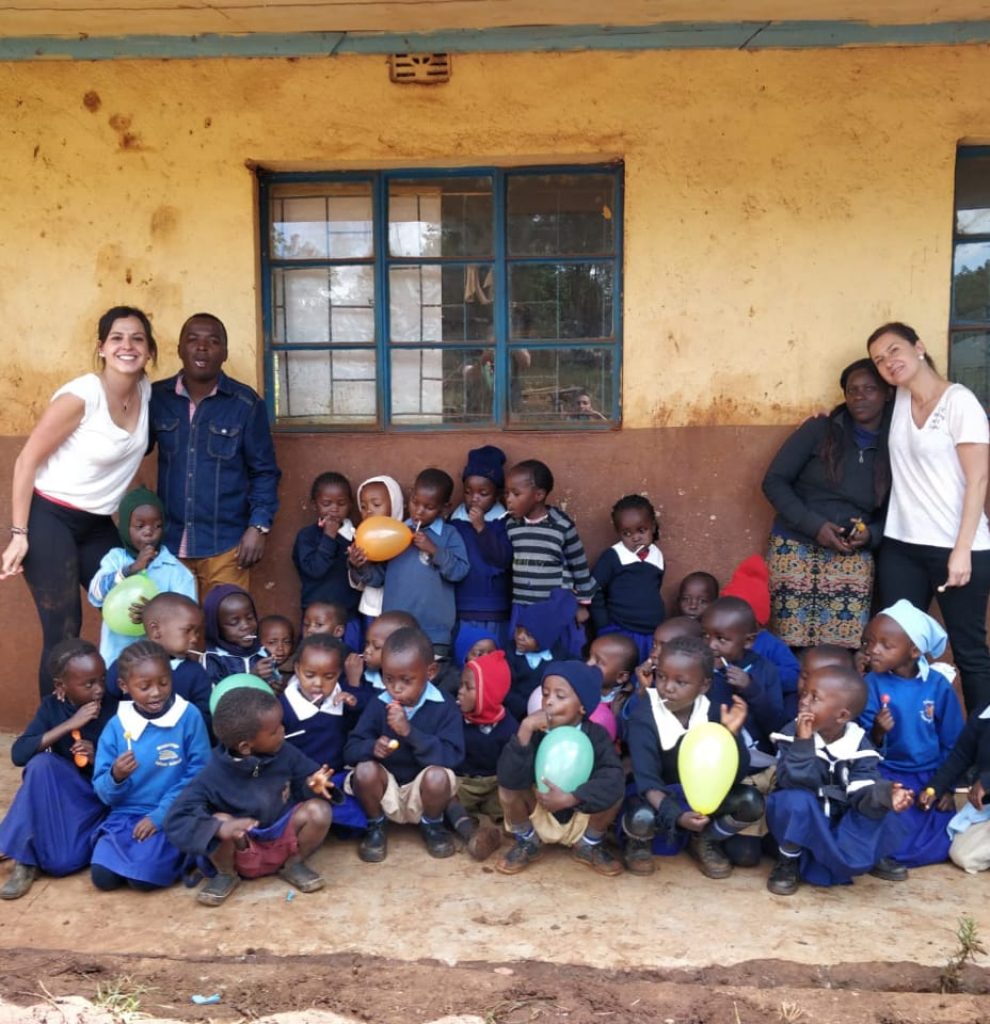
(639, 856)
(20, 881)
(484, 842)
(710, 857)
(597, 857)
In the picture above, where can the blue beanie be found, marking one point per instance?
(487, 462)
(545, 621)
(586, 681)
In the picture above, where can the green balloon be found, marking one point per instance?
(565, 757)
(117, 604)
(236, 682)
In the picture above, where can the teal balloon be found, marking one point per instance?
(117, 604)
(565, 757)
(242, 680)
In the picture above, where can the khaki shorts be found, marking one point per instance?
(971, 849)
(479, 795)
(550, 830)
(763, 781)
(216, 569)
(404, 804)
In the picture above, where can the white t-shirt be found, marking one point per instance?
(92, 467)
(926, 497)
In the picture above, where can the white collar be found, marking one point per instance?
(669, 727)
(304, 708)
(135, 723)
(627, 557)
(494, 513)
(346, 530)
(845, 748)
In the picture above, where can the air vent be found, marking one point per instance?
(419, 68)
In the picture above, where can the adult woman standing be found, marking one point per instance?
(72, 472)
(936, 541)
(828, 484)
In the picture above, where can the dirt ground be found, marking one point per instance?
(416, 940)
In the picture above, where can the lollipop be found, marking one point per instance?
(81, 760)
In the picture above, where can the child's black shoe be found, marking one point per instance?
(784, 878)
(302, 876)
(523, 853)
(217, 889)
(20, 881)
(374, 845)
(439, 842)
(889, 870)
(710, 856)
(597, 857)
(638, 856)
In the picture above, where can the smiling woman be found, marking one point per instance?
(73, 471)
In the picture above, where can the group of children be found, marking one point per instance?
(421, 689)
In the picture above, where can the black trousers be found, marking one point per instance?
(65, 547)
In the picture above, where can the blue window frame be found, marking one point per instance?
(445, 299)
(969, 317)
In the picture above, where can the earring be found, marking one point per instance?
(921, 358)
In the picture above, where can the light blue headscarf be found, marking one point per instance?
(924, 632)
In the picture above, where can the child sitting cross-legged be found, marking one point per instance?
(830, 810)
(405, 747)
(660, 820)
(579, 819)
(256, 808)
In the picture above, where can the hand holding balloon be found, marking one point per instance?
(117, 604)
(565, 759)
(382, 537)
(555, 799)
(693, 822)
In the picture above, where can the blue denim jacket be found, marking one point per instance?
(217, 474)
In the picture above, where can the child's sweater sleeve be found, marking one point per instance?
(948, 720)
(189, 823)
(29, 742)
(314, 553)
(868, 791)
(576, 564)
(516, 764)
(451, 558)
(195, 754)
(964, 754)
(361, 742)
(644, 750)
(108, 575)
(605, 568)
(493, 542)
(110, 747)
(607, 783)
(799, 767)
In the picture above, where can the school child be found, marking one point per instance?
(580, 819)
(914, 719)
(616, 656)
(405, 747)
(326, 617)
(829, 810)
(696, 592)
(141, 524)
(970, 828)
(51, 822)
(320, 552)
(377, 496)
(421, 579)
(365, 669)
(487, 729)
(232, 643)
(472, 642)
(484, 596)
(146, 755)
(252, 810)
(540, 635)
(822, 656)
(278, 639)
(659, 819)
(547, 552)
(629, 576)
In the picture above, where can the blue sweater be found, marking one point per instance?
(765, 702)
(927, 719)
(423, 589)
(220, 663)
(52, 713)
(325, 728)
(321, 562)
(170, 750)
(629, 590)
(259, 787)
(485, 593)
(436, 738)
(788, 668)
(483, 745)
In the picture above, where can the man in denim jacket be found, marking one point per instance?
(217, 475)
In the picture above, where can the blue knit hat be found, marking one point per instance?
(545, 621)
(585, 680)
(488, 462)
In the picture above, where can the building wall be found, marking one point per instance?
(778, 206)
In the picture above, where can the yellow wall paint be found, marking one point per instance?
(778, 205)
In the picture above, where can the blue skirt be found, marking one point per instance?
(927, 841)
(53, 820)
(155, 861)
(643, 641)
(831, 854)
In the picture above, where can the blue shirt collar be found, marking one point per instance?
(534, 660)
(435, 527)
(430, 693)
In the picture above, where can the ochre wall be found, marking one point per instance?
(777, 207)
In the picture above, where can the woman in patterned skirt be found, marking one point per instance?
(829, 484)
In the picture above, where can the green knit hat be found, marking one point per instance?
(130, 501)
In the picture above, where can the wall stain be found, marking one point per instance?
(92, 101)
(126, 139)
(164, 221)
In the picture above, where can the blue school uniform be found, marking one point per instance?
(483, 745)
(321, 563)
(484, 596)
(170, 750)
(832, 801)
(220, 663)
(788, 668)
(189, 680)
(165, 571)
(53, 818)
(628, 599)
(764, 700)
(928, 721)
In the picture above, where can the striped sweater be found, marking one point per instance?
(547, 555)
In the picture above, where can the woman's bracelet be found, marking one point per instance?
(19, 531)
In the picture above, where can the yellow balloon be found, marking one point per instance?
(707, 763)
(382, 537)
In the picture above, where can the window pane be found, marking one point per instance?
(438, 385)
(562, 385)
(321, 221)
(969, 362)
(973, 195)
(326, 305)
(325, 388)
(431, 302)
(557, 300)
(440, 217)
(971, 282)
(561, 214)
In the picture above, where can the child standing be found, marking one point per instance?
(829, 812)
(320, 551)
(252, 809)
(405, 747)
(141, 524)
(547, 552)
(580, 819)
(484, 596)
(377, 496)
(629, 575)
(914, 718)
(55, 813)
(146, 755)
(232, 643)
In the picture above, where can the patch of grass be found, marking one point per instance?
(121, 998)
(967, 949)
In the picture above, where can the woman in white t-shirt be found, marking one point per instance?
(936, 539)
(72, 472)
